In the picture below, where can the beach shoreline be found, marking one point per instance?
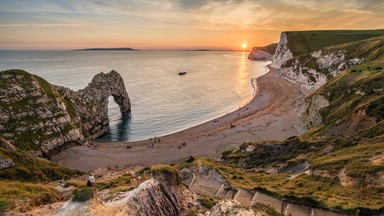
(270, 115)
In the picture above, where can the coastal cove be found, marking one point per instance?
(217, 82)
(270, 115)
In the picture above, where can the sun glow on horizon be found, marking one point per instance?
(244, 45)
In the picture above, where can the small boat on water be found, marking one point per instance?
(182, 73)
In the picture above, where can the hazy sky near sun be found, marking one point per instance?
(174, 24)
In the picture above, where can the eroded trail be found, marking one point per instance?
(271, 115)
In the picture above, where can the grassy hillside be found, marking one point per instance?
(25, 181)
(271, 48)
(342, 173)
(356, 95)
(341, 163)
(31, 169)
(301, 42)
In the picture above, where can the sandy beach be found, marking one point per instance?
(270, 115)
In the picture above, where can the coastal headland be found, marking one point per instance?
(270, 115)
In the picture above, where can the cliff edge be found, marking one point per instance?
(40, 118)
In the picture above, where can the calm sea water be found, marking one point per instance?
(163, 102)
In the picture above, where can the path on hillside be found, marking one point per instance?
(270, 115)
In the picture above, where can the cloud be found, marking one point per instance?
(40, 25)
(199, 14)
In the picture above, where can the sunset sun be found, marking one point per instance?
(244, 45)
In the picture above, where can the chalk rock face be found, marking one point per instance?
(314, 69)
(40, 118)
(257, 54)
(283, 53)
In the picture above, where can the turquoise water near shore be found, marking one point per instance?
(163, 102)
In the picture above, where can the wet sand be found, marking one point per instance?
(270, 115)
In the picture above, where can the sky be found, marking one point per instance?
(174, 24)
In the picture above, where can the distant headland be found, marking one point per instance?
(108, 49)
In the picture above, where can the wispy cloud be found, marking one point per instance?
(40, 25)
(177, 20)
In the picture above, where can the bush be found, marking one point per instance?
(83, 194)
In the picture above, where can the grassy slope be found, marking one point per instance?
(25, 181)
(31, 169)
(271, 48)
(328, 157)
(301, 42)
(355, 90)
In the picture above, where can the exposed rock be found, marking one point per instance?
(257, 54)
(310, 115)
(231, 208)
(6, 144)
(283, 53)
(41, 118)
(150, 198)
(314, 69)
(6, 163)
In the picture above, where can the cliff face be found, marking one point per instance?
(38, 117)
(283, 53)
(257, 54)
(262, 53)
(311, 63)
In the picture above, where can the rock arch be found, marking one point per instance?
(94, 97)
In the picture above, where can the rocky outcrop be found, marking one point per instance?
(159, 195)
(313, 70)
(40, 118)
(6, 163)
(310, 115)
(258, 54)
(297, 61)
(91, 103)
(283, 53)
(231, 208)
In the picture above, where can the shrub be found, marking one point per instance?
(83, 194)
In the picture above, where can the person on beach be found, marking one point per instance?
(91, 180)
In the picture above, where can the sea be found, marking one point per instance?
(163, 102)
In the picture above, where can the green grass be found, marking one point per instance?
(3, 206)
(355, 159)
(305, 189)
(31, 194)
(271, 48)
(301, 42)
(28, 168)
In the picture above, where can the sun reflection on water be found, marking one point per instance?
(242, 77)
